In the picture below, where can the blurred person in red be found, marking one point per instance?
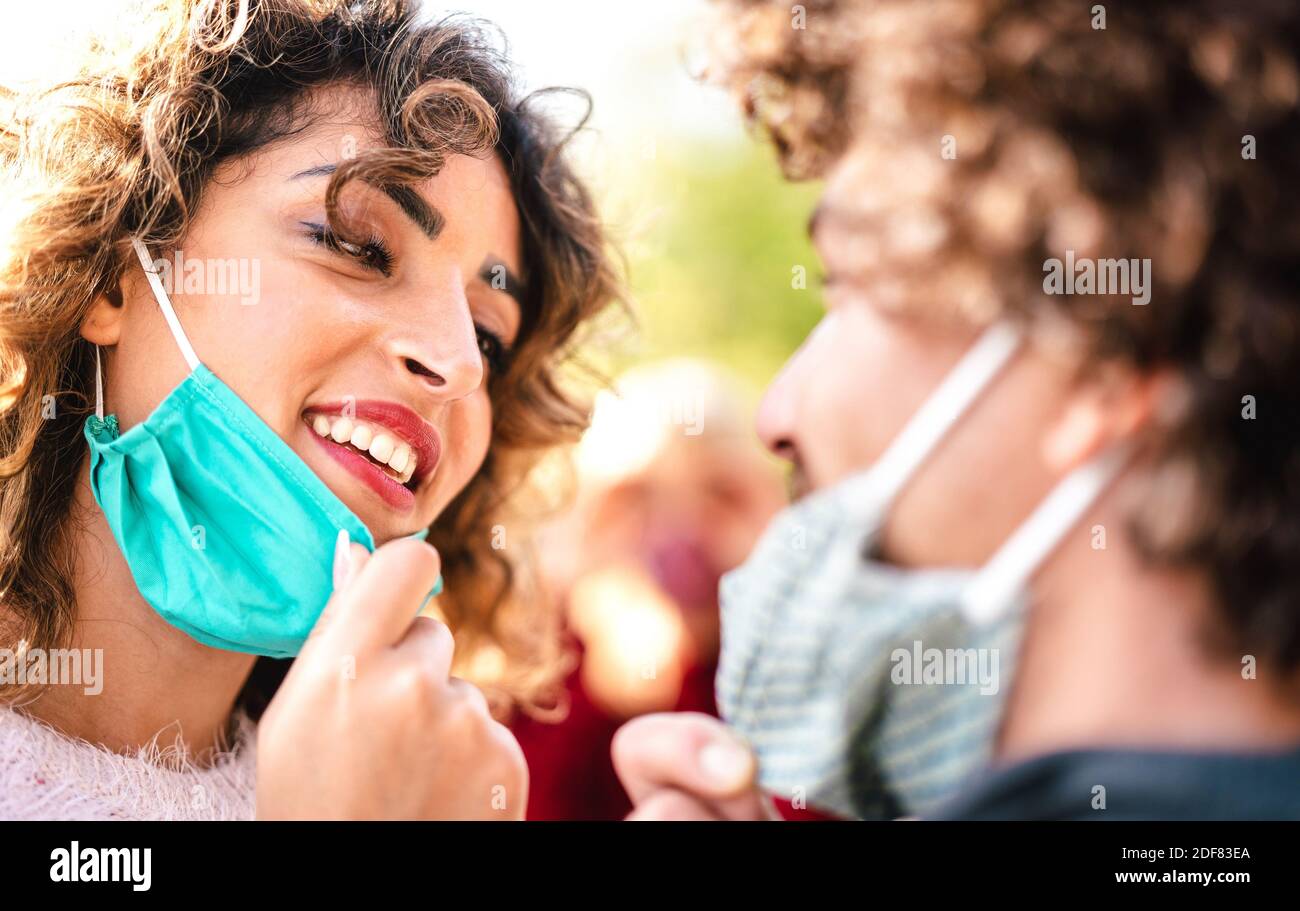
(672, 492)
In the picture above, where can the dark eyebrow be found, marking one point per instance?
(514, 287)
(427, 219)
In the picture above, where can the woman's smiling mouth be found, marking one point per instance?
(387, 446)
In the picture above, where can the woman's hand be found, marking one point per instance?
(687, 766)
(369, 724)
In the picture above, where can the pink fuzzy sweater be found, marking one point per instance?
(48, 775)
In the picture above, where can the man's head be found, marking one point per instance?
(980, 160)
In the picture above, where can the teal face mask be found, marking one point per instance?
(228, 534)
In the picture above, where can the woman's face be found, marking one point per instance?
(381, 355)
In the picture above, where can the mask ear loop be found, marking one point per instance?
(160, 294)
(944, 407)
(99, 387)
(879, 485)
(995, 586)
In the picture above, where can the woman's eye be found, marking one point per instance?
(373, 253)
(494, 350)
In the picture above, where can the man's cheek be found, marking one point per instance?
(847, 416)
(826, 451)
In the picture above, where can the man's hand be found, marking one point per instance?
(687, 766)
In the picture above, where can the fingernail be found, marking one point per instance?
(727, 764)
(341, 546)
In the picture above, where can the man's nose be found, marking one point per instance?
(776, 420)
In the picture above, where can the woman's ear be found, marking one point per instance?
(103, 324)
(1115, 405)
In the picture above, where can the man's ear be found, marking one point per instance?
(1112, 406)
(103, 324)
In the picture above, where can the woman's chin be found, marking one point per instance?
(385, 523)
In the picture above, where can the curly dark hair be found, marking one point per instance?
(1165, 130)
(127, 147)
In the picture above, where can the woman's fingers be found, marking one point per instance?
(429, 643)
(349, 558)
(382, 599)
(470, 693)
(355, 559)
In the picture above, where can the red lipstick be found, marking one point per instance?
(402, 423)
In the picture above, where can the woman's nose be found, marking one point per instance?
(440, 350)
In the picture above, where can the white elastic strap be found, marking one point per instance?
(160, 293)
(943, 408)
(99, 388)
(995, 586)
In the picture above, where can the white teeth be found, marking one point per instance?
(341, 432)
(361, 437)
(381, 446)
(401, 455)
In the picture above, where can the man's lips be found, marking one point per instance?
(397, 421)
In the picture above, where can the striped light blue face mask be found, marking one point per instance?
(228, 533)
(869, 690)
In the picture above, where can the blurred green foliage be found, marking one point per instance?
(712, 258)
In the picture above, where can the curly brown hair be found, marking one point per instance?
(126, 148)
(1165, 130)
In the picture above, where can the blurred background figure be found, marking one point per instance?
(673, 490)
